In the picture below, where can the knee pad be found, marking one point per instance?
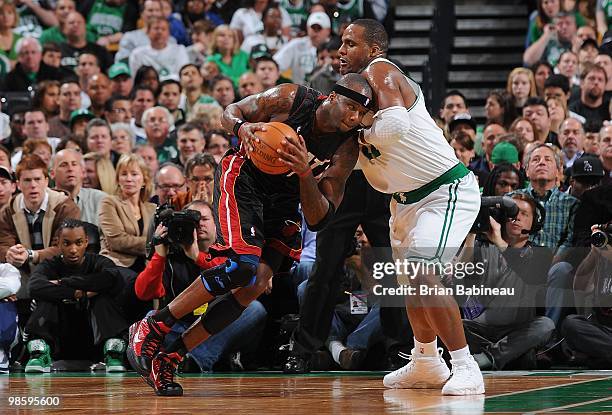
(223, 278)
(221, 313)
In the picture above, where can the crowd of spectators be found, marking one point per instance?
(113, 107)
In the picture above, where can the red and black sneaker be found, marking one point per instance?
(146, 337)
(161, 377)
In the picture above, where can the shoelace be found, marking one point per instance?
(152, 342)
(166, 368)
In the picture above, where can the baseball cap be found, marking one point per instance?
(504, 152)
(80, 113)
(259, 51)
(6, 173)
(461, 118)
(117, 69)
(587, 166)
(320, 18)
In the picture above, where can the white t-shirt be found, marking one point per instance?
(168, 60)
(273, 43)
(300, 56)
(133, 39)
(404, 149)
(249, 22)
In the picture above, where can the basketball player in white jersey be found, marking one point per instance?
(435, 202)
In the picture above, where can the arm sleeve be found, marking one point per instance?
(117, 239)
(41, 288)
(8, 236)
(149, 283)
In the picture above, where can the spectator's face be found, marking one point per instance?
(35, 125)
(143, 100)
(33, 184)
(166, 8)
(551, 7)
(566, 28)
(152, 8)
(586, 32)
(493, 110)
(44, 152)
(520, 86)
(50, 101)
(538, 115)
(206, 227)
(191, 79)
(130, 180)
(525, 131)
(70, 97)
(605, 61)
(170, 96)
(157, 126)
(223, 92)
(594, 85)
(225, 40)
(571, 136)
(490, 136)
(159, 33)
(7, 188)
(7, 17)
(267, 73)
(209, 70)
(591, 143)
(5, 160)
(170, 181)
(506, 182)
(67, 171)
(121, 85)
(217, 145)
(273, 21)
(90, 180)
(555, 111)
(201, 174)
(554, 92)
(465, 128)
(98, 89)
(190, 143)
(52, 58)
(87, 66)
(72, 245)
(17, 123)
(121, 142)
(542, 165)
(318, 35)
(63, 9)
(195, 7)
(30, 55)
(99, 140)
(79, 126)
(587, 54)
(542, 72)
(248, 85)
(120, 112)
(568, 64)
(149, 155)
(75, 26)
(453, 104)
(523, 221)
(463, 154)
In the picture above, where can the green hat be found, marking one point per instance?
(80, 113)
(504, 152)
(117, 69)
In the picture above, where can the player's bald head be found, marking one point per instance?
(357, 83)
(374, 33)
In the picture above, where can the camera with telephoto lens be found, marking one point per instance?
(180, 225)
(500, 208)
(602, 236)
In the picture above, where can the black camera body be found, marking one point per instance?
(180, 225)
(602, 236)
(500, 208)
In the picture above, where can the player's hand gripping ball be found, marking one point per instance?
(264, 154)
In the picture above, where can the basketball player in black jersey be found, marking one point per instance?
(257, 214)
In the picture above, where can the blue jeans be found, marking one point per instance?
(8, 324)
(249, 325)
(367, 332)
(300, 274)
(559, 294)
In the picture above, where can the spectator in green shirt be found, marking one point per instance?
(226, 53)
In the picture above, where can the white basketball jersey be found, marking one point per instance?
(404, 149)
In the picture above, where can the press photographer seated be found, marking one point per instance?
(76, 305)
(175, 265)
(501, 329)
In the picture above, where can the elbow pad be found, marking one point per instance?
(326, 219)
(390, 125)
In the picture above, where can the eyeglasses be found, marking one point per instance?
(201, 179)
(170, 186)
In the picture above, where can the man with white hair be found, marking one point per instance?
(30, 68)
(68, 170)
(157, 123)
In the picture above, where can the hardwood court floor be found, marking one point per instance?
(316, 394)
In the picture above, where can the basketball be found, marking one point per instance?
(264, 154)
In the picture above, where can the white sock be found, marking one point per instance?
(460, 354)
(335, 347)
(426, 349)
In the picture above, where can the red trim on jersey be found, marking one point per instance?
(284, 249)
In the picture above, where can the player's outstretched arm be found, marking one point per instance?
(247, 116)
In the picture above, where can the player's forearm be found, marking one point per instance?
(314, 205)
(232, 115)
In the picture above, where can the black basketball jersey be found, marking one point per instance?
(320, 148)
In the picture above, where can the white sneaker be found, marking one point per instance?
(466, 378)
(421, 372)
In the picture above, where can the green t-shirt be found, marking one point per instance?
(606, 7)
(298, 14)
(167, 150)
(53, 34)
(11, 53)
(536, 32)
(104, 19)
(240, 65)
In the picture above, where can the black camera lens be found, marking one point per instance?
(599, 239)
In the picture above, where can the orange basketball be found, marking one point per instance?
(264, 155)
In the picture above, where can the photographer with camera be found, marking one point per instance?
(181, 242)
(591, 334)
(502, 328)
